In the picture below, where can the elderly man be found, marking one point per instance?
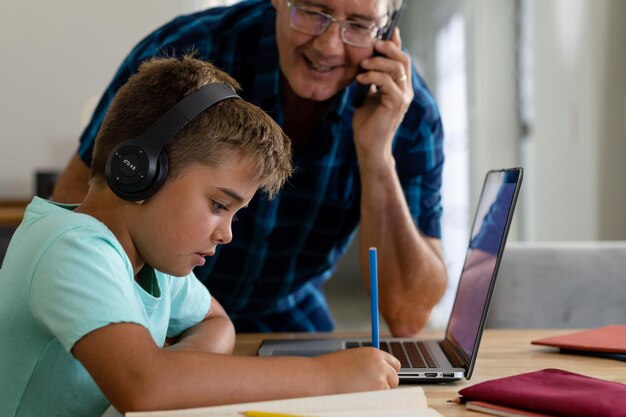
(377, 166)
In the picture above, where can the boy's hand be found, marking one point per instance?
(360, 369)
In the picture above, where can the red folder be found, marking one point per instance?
(553, 392)
(610, 339)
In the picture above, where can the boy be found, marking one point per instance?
(89, 293)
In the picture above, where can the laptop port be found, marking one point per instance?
(448, 375)
(430, 374)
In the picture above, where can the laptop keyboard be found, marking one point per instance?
(410, 354)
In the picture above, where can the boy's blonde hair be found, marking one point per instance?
(225, 130)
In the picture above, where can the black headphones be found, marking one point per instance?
(138, 167)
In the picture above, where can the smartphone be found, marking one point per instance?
(363, 89)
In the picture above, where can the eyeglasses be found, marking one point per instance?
(315, 23)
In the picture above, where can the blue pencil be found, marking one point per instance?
(374, 297)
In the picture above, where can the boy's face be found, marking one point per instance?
(189, 216)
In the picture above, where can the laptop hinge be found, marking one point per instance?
(455, 355)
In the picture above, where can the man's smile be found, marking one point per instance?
(319, 67)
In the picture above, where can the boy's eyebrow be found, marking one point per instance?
(231, 194)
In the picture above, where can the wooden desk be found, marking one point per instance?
(502, 353)
(12, 212)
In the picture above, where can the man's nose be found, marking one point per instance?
(329, 40)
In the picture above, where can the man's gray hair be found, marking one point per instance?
(395, 5)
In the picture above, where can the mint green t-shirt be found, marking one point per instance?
(65, 275)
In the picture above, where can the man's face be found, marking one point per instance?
(317, 67)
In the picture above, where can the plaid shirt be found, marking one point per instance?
(270, 277)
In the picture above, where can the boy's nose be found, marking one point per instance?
(223, 234)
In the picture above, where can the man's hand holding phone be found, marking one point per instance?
(363, 89)
(375, 123)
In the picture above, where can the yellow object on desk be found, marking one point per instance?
(253, 413)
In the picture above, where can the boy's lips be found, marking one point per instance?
(200, 257)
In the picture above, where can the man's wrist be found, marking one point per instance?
(376, 165)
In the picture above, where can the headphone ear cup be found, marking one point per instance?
(160, 175)
(132, 175)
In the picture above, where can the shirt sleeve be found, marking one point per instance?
(81, 283)
(191, 302)
(418, 150)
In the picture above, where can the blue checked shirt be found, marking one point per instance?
(270, 277)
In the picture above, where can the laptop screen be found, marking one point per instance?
(488, 235)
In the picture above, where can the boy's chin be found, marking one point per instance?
(178, 272)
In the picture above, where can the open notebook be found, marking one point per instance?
(399, 402)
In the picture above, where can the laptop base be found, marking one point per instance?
(440, 369)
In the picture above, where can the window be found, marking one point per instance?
(451, 81)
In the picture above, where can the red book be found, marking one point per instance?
(610, 339)
(498, 410)
(553, 392)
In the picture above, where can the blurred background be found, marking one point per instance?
(533, 83)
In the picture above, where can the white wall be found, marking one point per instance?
(611, 84)
(57, 58)
(492, 90)
(578, 148)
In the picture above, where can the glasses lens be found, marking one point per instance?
(308, 21)
(358, 35)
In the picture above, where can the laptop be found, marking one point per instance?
(452, 358)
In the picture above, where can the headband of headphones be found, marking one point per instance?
(136, 168)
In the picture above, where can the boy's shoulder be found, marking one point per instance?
(46, 222)
(53, 237)
(47, 217)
